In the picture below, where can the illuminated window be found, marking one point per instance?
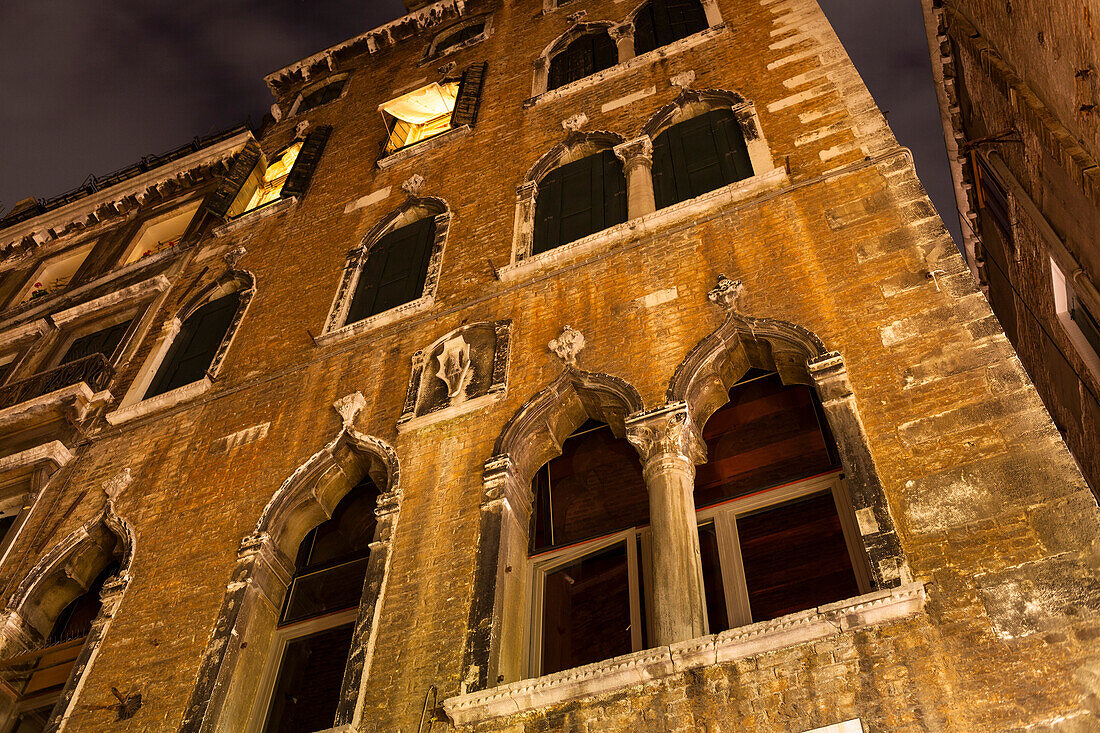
(419, 115)
(160, 234)
(53, 275)
(271, 184)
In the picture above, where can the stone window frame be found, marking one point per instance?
(413, 209)
(134, 403)
(315, 86)
(486, 19)
(23, 343)
(76, 560)
(194, 204)
(244, 633)
(637, 157)
(1064, 288)
(669, 441)
(622, 33)
(23, 476)
(15, 301)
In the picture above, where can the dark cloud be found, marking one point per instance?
(90, 87)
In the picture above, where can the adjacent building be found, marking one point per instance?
(542, 365)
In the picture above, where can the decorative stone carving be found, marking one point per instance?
(349, 407)
(575, 123)
(568, 345)
(233, 256)
(115, 485)
(623, 30)
(726, 293)
(667, 431)
(301, 129)
(463, 370)
(577, 17)
(447, 68)
(276, 112)
(683, 80)
(413, 184)
(638, 151)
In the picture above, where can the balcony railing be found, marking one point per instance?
(94, 370)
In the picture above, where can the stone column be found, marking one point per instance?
(637, 158)
(670, 446)
(523, 233)
(623, 35)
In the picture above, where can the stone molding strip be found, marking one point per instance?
(656, 664)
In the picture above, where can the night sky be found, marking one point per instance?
(90, 87)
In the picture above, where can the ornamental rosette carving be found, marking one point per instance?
(568, 345)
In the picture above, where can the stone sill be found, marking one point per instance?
(620, 69)
(404, 425)
(74, 401)
(18, 469)
(649, 665)
(136, 291)
(685, 210)
(423, 146)
(160, 402)
(251, 217)
(384, 318)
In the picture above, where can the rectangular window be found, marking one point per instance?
(53, 275)
(1078, 322)
(311, 670)
(419, 115)
(103, 341)
(160, 234)
(270, 186)
(1085, 321)
(993, 197)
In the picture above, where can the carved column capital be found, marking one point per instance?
(666, 433)
(502, 486)
(623, 30)
(636, 152)
(527, 191)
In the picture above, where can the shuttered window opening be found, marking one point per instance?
(297, 182)
(104, 341)
(1085, 320)
(697, 156)
(660, 22)
(323, 95)
(583, 57)
(459, 37)
(433, 109)
(993, 197)
(195, 346)
(578, 199)
(395, 271)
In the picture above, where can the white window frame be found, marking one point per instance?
(724, 516)
(179, 211)
(1062, 293)
(21, 297)
(486, 21)
(279, 642)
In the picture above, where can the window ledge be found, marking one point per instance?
(384, 318)
(654, 664)
(250, 217)
(450, 412)
(160, 402)
(622, 68)
(423, 146)
(136, 291)
(73, 402)
(684, 210)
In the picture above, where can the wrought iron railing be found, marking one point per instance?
(94, 370)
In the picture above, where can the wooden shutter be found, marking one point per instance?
(664, 178)
(731, 144)
(468, 101)
(605, 53)
(548, 213)
(395, 271)
(583, 57)
(578, 199)
(221, 198)
(195, 345)
(312, 148)
(682, 18)
(614, 190)
(645, 32)
(697, 156)
(101, 342)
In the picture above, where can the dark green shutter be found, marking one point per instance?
(583, 57)
(221, 198)
(662, 22)
(101, 342)
(697, 156)
(395, 271)
(195, 346)
(314, 145)
(578, 199)
(548, 213)
(468, 101)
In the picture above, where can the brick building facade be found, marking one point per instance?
(593, 367)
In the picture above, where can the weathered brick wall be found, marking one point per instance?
(992, 513)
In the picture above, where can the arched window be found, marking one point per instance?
(195, 346)
(458, 37)
(699, 155)
(578, 199)
(660, 22)
(395, 270)
(588, 505)
(321, 95)
(774, 527)
(583, 57)
(315, 626)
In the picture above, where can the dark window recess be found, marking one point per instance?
(459, 37)
(332, 559)
(1085, 321)
(717, 616)
(468, 100)
(324, 95)
(768, 434)
(33, 721)
(795, 557)
(195, 346)
(993, 197)
(395, 271)
(307, 691)
(75, 620)
(660, 22)
(595, 487)
(699, 155)
(6, 524)
(219, 200)
(1001, 294)
(583, 57)
(101, 342)
(586, 611)
(578, 199)
(300, 175)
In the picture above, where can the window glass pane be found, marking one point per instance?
(795, 557)
(595, 487)
(420, 114)
(712, 579)
(324, 95)
(1085, 321)
(586, 611)
(766, 435)
(583, 57)
(308, 688)
(458, 37)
